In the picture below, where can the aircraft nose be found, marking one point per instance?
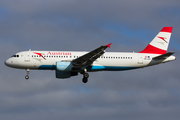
(7, 62)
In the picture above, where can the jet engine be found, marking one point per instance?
(64, 70)
(63, 66)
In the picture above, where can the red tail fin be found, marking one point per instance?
(159, 44)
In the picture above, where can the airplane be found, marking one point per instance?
(69, 63)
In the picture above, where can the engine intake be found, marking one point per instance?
(64, 66)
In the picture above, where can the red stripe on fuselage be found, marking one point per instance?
(153, 50)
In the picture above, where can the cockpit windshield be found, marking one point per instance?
(15, 56)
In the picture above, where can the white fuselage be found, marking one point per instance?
(109, 61)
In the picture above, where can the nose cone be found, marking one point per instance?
(7, 62)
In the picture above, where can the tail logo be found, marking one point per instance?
(163, 38)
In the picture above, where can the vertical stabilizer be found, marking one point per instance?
(159, 44)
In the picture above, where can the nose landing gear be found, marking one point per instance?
(27, 76)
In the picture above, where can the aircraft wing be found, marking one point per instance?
(163, 56)
(90, 57)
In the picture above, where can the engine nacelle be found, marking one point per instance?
(64, 70)
(65, 74)
(63, 66)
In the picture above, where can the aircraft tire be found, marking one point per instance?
(26, 77)
(84, 80)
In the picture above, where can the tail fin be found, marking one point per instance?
(159, 44)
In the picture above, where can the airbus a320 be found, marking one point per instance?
(69, 63)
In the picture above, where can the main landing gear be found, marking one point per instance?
(85, 76)
(27, 76)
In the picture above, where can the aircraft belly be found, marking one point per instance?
(47, 67)
(114, 65)
(111, 68)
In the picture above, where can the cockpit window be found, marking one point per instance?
(12, 56)
(15, 56)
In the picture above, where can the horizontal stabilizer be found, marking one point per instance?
(164, 56)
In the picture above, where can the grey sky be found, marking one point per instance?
(148, 93)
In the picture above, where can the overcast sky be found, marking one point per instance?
(151, 93)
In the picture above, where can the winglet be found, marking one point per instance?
(109, 45)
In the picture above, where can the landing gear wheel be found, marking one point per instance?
(85, 80)
(86, 75)
(27, 77)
